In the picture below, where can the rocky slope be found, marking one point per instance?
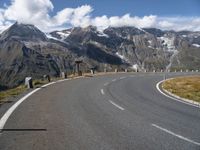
(146, 49)
(27, 51)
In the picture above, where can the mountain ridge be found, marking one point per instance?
(27, 51)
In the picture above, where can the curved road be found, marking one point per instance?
(111, 112)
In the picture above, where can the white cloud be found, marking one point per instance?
(79, 16)
(37, 12)
(26, 11)
(126, 20)
(62, 16)
(165, 24)
(179, 23)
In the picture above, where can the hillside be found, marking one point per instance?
(27, 51)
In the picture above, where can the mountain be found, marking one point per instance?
(147, 48)
(23, 32)
(27, 51)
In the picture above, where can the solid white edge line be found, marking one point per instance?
(12, 108)
(173, 98)
(48, 84)
(176, 135)
(102, 92)
(121, 108)
(9, 112)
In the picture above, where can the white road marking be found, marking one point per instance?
(122, 78)
(48, 84)
(9, 112)
(173, 98)
(176, 135)
(121, 108)
(102, 92)
(106, 84)
(60, 81)
(114, 80)
(12, 109)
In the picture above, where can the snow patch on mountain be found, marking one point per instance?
(49, 36)
(63, 35)
(196, 45)
(184, 35)
(101, 34)
(168, 43)
(149, 41)
(122, 57)
(150, 44)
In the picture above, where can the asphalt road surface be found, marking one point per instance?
(110, 112)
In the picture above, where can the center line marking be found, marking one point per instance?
(176, 135)
(121, 108)
(106, 84)
(122, 78)
(114, 80)
(102, 92)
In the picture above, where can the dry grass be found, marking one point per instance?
(186, 87)
(11, 93)
(38, 83)
(4, 95)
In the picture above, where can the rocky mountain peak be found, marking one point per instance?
(123, 31)
(24, 32)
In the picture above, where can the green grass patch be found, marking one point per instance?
(185, 87)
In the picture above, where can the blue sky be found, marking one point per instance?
(136, 7)
(60, 14)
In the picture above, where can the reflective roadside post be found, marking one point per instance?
(78, 62)
(47, 77)
(92, 70)
(164, 76)
(29, 82)
(63, 75)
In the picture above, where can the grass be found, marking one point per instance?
(38, 83)
(11, 93)
(4, 95)
(185, 87)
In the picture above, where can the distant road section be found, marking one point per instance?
(110, 112)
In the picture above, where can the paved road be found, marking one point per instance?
(112, 112)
